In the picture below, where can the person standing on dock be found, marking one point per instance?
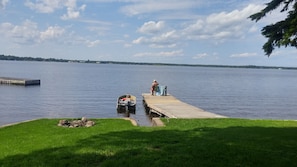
(154, 87)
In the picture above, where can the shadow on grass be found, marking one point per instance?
(232, 146)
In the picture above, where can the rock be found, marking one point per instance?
(84, 119)
(76, 123)
(63, 123)
(90, 123)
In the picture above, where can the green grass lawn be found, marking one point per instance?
(182, 142)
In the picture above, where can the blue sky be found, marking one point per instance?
(164, 31)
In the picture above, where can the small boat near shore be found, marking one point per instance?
(126, 104)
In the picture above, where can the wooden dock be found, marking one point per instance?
(19, 81)
(171, 107)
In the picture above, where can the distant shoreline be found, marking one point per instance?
(16, 58)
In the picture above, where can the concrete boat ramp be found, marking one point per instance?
(171, 107)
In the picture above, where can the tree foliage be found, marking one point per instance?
(282, 33)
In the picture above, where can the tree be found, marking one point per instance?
(282, 33)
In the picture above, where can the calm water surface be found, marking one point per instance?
(91, 90)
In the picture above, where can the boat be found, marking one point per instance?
(126, 104)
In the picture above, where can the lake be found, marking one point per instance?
(74, 90)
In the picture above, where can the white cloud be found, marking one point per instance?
(200, 55)
(140, 40)
(141, 7)
(52, 32)
(92, 43)
(244, 55)
(72, 12)
(169, 45)
(166, 39)
(254, 29)
(25, 33)
(284, 52)
(216, 27)
(221, 26)
(3, 3)
(151, 27)
(5, 27)
(45, 6)
(160, 54)
(49, 6)
(28, 32)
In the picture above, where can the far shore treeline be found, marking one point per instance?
(16, 58)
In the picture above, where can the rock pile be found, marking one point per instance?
(83, 122)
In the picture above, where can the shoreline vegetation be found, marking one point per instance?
(16, 58)
(181, 142)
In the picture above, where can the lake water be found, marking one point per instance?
(74, 90)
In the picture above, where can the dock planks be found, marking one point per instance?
(19, 81)
(171, 107)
